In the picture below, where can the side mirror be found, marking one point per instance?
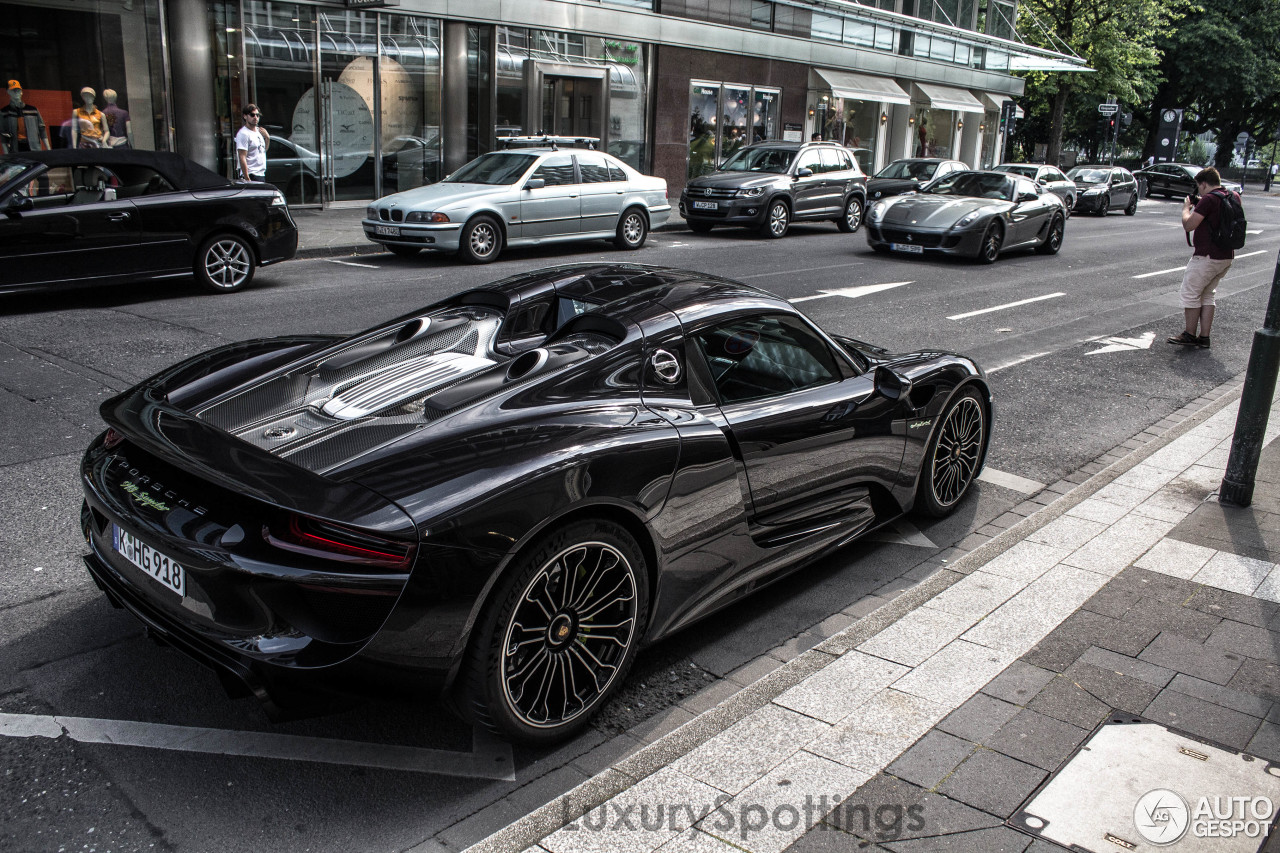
(1042, 181)
(18, 203)
(891, 385)
(803, 173)
(535, 183)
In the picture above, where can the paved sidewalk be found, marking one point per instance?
(336, 231)
(926, 724)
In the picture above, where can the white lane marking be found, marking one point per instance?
(810, 269)
(1251, 254)
(488, 759)
(1017, 361)
(903, 532)
(850, 292)
(1161, 272)
(1248, 231)
(352, 264)
(1122, 344)
(1006, 305)
(1010, 481)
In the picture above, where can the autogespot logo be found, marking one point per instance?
(1161, 816)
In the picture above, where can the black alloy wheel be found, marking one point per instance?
(224, 264)
(852, 219)
(1053, 240)
(1104, 205)
(481, 241)
(633, 229)
(777, 220)
(1132, 207)
(699, 227)
(954, 455)
(560, 635)
(992, 240)
(403, 251)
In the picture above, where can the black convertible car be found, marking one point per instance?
(100, 216)
(505, 494)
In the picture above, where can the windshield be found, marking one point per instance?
(908, 169)
(9, 171)
(1082, 175)
(1025, 171)
(776, 160)
(498, 167)
(973, 184)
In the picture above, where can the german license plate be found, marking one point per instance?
(164, 569)
(908, 248)
(387, 230)
(705, 205)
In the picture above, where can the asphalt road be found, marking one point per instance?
(1077, 368)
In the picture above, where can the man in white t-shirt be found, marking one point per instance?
(251, 146)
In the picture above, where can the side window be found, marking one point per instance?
(810, 160)
(831, 161)
(1024, 186)
(764, 357)
(594, 169)
(616, 173)
(556, 170)
(1117, 176)
(846, 162)
(277, 150)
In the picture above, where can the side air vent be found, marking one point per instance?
(527, 363)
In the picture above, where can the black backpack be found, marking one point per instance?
(1230, 232)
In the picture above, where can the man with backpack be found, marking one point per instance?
(1216, 224)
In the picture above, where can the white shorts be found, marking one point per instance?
(1201, 280)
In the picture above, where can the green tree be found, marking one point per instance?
(1116, 38)
(1222, 67)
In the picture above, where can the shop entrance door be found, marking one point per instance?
(570, 106)
(348, 91)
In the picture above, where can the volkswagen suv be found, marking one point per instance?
(768, 185)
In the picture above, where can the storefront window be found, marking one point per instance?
(725, 116)
(990, 130)
(934, 132)
(90, 75)
(409, 69)
(852, 123)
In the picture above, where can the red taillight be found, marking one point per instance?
(331, 541)
(112, 438)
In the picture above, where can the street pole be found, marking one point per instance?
(1255, 405)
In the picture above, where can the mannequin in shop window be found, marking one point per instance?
(89, 127)
(118, 123)
(21, 127)
(922, 151)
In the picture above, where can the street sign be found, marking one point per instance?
(1108, 109)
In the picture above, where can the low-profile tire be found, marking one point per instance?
(1132, 207)
(558, 634)
(853, 211)
(225, 263)
(481, 241)
(403, 251)
(1104, 205)
(954, 455)
(777, 219)
(992, 240)
(1053, 239)
(633, 229)
(699, 227)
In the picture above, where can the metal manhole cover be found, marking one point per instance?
(1136, 785)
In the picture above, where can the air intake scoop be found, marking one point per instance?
(405, 381)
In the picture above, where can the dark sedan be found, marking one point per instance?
(909, 175)
(1102, 189)
(505, 494)
(100, 216)
(973, 214)
(1174, 180)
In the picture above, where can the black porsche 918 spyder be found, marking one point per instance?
(505, 494)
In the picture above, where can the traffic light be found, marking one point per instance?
(1111, 125)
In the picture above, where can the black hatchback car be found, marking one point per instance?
(770, 184)
(101, 216)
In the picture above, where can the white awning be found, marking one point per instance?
(863, 87)
(993, 101)
(948, 98)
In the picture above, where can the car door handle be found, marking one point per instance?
(120, 216)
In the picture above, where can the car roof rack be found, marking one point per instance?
(546, 140)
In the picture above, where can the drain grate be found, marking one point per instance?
(1137, 785)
